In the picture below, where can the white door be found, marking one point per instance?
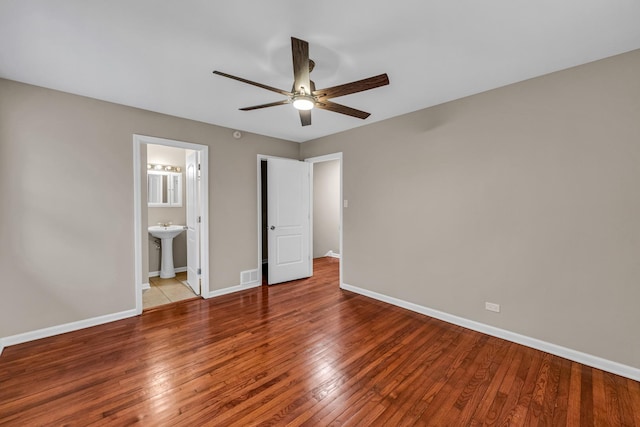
(288, 211)
(193, 225)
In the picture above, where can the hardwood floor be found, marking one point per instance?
(300, 353)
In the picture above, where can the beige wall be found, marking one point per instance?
(66, 216)
(326, 208)
(160, 154)
(527, 196)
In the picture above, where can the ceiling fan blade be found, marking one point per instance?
(305, 117)
(353, 87)
(271, 104)
(300, 54)
(240, 79)
(342, 109)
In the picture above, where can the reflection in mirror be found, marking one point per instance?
(176, 193)
(164, 189)
(154, 188)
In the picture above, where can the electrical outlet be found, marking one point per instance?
(492, 306)
(346, 203)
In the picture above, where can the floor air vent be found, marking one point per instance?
(248, 276)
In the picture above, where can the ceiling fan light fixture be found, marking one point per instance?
(303, 102)
(303, 94)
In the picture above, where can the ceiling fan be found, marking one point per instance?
(304, 95)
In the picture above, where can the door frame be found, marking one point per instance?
(312, 160)
(192, 157)
(138, 140)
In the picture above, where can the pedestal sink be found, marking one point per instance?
(166, 235)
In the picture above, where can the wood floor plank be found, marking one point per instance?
(534, 414)
(299, 353)
(430, 380)
(587, 409)
(609, 396)
(470, 389)
(370, 366)
(436, 375)
(498, 370)
(574, 402)
(376, 390)
(599, 398)
(397, 397)
(633, 388)
(505, 387)
(513, 407)
(560, 401)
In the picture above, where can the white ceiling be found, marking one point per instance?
(159, 55)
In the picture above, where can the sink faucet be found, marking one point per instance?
(164, 224)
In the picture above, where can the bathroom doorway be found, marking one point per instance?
(168, 178)
(170, 193)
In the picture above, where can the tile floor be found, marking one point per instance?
(165, 291)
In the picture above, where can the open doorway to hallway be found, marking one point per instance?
(325, 211)
(328, 206)
(288, 218)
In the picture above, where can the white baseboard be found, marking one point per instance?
(332, 254)
(567, 353)
(62, 329)
(87, 323)
(177, 270)
(232, 289)
(146, 286)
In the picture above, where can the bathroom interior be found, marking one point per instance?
(166, 204)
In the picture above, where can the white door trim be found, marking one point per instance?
(193, 200)
(326, 158)
(138, 140)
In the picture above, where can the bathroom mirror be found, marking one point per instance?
(164, 189)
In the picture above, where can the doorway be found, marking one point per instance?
(265, 254)
(327, 193)
(188, 193)
(287, 223)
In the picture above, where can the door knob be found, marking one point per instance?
(273, 227)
